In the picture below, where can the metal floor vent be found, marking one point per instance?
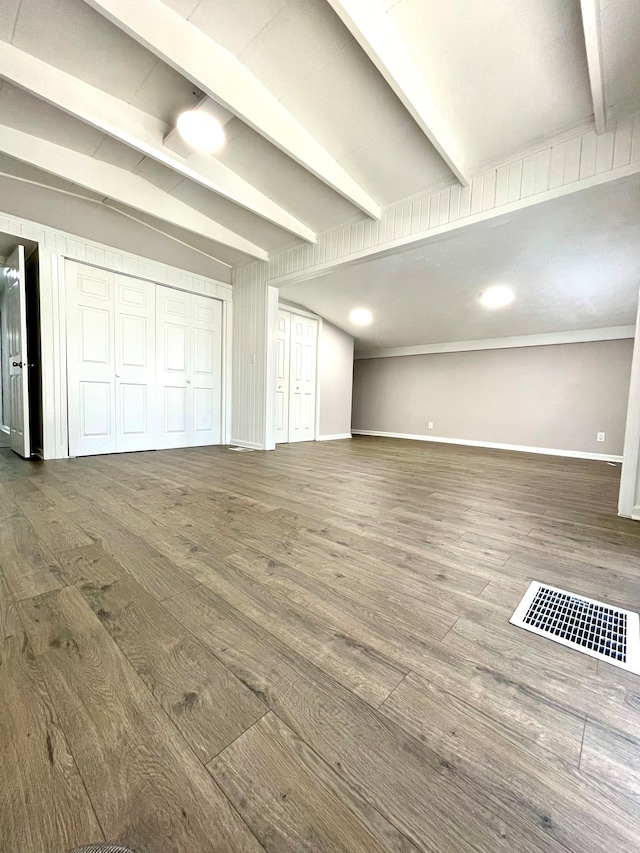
(596, 629)
(101, 848)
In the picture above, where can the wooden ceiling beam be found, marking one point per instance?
(140, 131)
(593, 44)
(122, 186)
(218, 73)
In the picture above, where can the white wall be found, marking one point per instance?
(553, 397)
(335, 359)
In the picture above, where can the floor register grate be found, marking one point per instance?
(607, 633)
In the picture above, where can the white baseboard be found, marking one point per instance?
(333, 437)
(252, 444)
(521, 448)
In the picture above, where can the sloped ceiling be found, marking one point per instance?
(317, 134)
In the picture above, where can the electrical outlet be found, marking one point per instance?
(252, 359)
(430, 424)
(600, 436)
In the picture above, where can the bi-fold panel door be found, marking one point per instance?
(135, 352)
(91, 365)
(110, 362)
(144, 364)
(296, 377)
(302, 378)
(189, 368)
(282, 378)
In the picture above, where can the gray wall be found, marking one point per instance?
(555, 397)
(336, 380)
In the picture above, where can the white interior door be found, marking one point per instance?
(282, 378)
(18, 357)
(302, 378)
(204, 391)
(135, 364)
(173, 372)
(91, 360)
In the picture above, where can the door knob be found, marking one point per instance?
(16, 364)
(117, 376)
(188, 382)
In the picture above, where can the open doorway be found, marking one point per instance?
(20, 348)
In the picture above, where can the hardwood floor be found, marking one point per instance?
(309, 650)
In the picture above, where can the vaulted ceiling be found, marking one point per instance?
(332, 109)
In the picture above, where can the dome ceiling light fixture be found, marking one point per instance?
(200, 130)
(361, 316)
(497, 296)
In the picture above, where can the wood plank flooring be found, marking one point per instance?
(309, 650)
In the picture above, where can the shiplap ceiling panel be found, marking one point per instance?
(158, 175)
(8, 17)
(31, 114)
(620, 35)
(505, 77)
(118, 154)
(301, 41)
(347, 105)
(10, 166)
(280, 178)
(404, 173)
(71, 36)
(231, 216)
(164, 94)
(233, 25)
(502, 72)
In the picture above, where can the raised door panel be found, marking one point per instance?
(136, 398)
(91, 360)
(206, 372)
(173, 361)
(302, 381)
(282, 378)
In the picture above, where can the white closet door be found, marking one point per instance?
(204, 389)
(173, 334)
(282, 378)
(135, 351)
(302, 378)
(91, 360)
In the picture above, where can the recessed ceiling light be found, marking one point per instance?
(361, 316)
(200, 130)
(497, 296)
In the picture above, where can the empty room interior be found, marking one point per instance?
(319, 426)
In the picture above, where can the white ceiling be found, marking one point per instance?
(574, 264)
(503, 75)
